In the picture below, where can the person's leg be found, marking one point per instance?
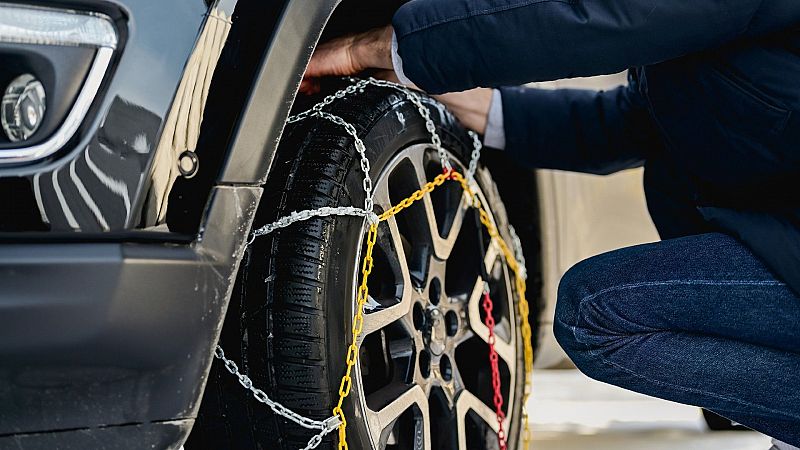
(696, 320)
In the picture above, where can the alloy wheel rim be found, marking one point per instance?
(423, 380)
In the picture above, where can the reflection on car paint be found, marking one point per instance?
(102, 187)
(182, 127)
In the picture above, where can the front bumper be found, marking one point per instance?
(113, 340)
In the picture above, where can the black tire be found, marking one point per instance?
(716, 422)
(287, 325)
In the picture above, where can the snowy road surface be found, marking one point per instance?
(571, 412)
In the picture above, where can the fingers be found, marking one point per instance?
(350, 55)
(334, 58)
(310, 86)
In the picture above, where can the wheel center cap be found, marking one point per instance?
(435, 332)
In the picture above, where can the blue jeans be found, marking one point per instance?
(696, 320)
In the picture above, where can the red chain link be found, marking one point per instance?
(488, 305)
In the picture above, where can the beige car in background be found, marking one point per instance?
(581, 216)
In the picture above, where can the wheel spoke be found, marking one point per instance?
(441, 247)
(385, 417)
(418, 161)
(469, 402)
(504, 348)
(397, 249)
(382, 317)
(458, 220)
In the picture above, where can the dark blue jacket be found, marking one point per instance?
(712, 108)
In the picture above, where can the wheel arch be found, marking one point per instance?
(273, 90)
(252, 91)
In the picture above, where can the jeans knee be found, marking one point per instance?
(575, 285)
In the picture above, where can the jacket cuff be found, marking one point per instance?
(514, 127)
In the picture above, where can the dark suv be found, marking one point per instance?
(140, 141)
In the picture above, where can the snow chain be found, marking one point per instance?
(514, 260)
(488, 306)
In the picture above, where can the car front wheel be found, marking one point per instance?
(422, 378)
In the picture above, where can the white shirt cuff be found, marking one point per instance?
(397, 63)
(782, 445)
(495, 135)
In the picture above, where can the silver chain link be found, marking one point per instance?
(326, 425)
(358, 86)
(516, 243)
(477, 146)
(332, 423)
(362, 151)
(299, 216)
(416, 100)
(316, 111)
(431, 127)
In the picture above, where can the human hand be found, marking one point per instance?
(352, 54)
(349, 55)
(471, 107)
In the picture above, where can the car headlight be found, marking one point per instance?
(52, 63)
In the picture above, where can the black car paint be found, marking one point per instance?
(133, 102)
(106, 339)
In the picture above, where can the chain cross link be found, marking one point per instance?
(300, 216)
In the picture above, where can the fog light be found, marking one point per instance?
(22, 108)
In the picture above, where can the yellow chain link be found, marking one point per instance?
(363, 294)
(358, 324)
(427, 189)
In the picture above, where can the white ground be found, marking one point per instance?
(571, 412)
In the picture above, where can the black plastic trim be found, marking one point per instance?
(274, 89)
(154, 435)
(99, 334)
(164, 237)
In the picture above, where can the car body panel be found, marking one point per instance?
(154, 435)
(274, 90)
(108, 334)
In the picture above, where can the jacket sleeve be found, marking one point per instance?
(578, 130)
(454, 45)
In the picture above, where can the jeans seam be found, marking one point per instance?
(689, 282)
(693, 390)
(597, 353)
